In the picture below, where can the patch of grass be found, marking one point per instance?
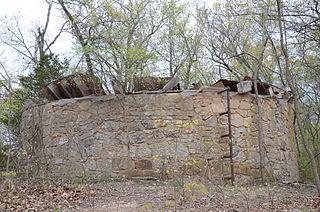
(169, 203)
(260, 196)
(285, 201)
(147, 207)
(178, 185)
(237, 190)
(136, 180)
(218, 189)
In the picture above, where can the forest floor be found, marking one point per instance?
(153, 195)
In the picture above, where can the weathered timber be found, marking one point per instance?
(150, 83)
(72, 86)
(196, 86)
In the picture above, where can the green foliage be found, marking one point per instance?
(285, 201)
(304, 163)
(305, 167)
(49, 68)
(3, 156)
(169, 203)
(194, 186)
(10, 109)
(147, 207)
(8, 174)
(178, 185)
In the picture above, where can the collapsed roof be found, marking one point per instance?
(244, 86)
(73, 86)
(80, 85)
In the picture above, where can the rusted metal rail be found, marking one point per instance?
(229, 135)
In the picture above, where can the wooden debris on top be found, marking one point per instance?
(244, 86)
(174, 82)
(77, 85)
(151, 83)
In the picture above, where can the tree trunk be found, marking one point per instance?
(262, 150)
(79, 36)
(296, 102)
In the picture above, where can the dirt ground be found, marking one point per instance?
(153, 195)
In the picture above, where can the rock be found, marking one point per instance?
(211, 122)
(171, 132)
(148, 125)
(244, 105)
(137, 138)
(84, 105)
(244, 86)
(237, 120)
(122, 163)
(110, 126)
(194, 147)
(119, 138)
(185, 105)
(218, 107)
(182, 151)
(142, 173)
(90, 165)
(133, 126)
(237, 132)
(113, 136)
(238, 154)
(235, 102)
(94, 150)
(295, 210)
(143, 164)
(28, 104)
(157, 134)
(139, 151)
(62, 140)
(58, 161)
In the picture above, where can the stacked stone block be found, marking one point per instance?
(158, 135)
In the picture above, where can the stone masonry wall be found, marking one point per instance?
(156, 135)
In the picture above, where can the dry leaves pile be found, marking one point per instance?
(40, 196)
(160, 196)
(153, 196)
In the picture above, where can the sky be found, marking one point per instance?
(29, 8)
(33, 13)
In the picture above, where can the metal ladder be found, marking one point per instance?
(229, 134)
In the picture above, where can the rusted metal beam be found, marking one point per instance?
(224, 90)
(230, 136)
(225, 135)
(223, 113)
(228, 112)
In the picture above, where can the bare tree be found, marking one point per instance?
(240, 49)
(294, 89)
(31, 50)
(79, 35)
(117, 35)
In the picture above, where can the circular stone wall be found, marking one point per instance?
(152, 135)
